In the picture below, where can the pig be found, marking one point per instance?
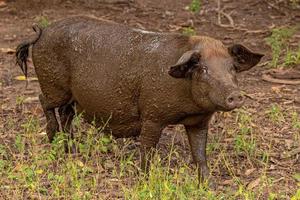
(142, 81)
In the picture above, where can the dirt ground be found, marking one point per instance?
(252, 20)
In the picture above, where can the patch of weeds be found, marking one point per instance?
(244, 141)
(3, 159)
(277, 41)
(296, 196)
(57, 149)
(265, 157)
(57, 182)
(292, 58)
(20, 100)
(76, 175)
(214, 145)
(164, 184)
(275, 114)
(39, 170)
(127, 166)
(296, 125)
(3, 152)
(296, 120)
(188, 31)
(19, 144)
(295, 3)
(31, 128)
(195, 6)
(42, 21)
(243, 193)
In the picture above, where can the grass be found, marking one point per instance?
(42, 21)
(277, 41)
(282, 53)
(189, 31)
(244, 139)
(292, 58)
(275, 114)
(165, 184)
(105, 168)
(195, 6)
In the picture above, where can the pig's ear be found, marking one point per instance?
(244, 58)
(185, 65)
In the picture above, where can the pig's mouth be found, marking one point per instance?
(225, 109)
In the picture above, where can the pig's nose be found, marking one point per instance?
(235, 100)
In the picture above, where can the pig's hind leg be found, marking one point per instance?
(52, 124)
(66, 114)
(50, 101)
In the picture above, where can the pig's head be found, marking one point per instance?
(212, 68)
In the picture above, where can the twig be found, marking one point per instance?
(229, 18)
(275, 7)
(292, 153)
(231, 22)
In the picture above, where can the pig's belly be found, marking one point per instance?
(103, 99)
(122, 123)
(129, 129)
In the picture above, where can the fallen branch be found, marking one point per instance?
(285, 74)
(269, 78)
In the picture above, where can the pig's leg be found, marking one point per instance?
(52, 124)
(150, 135)
(66, 114)
(197, 136)
(197, 139)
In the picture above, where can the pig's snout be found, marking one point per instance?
(235, 100)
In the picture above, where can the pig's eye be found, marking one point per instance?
(203, 68)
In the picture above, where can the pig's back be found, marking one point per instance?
(101, 81)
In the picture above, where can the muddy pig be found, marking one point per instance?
(143, 80)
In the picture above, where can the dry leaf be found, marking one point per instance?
(79, 163)
(272, 167)
(7, 50)
(276, 89)
(23, 78)
(2, 4)
(42, 133)
(253, 184)
(20, 78)
(33, 79)
(227, 182)
(31, 99)
(249, 171)
(18, 167)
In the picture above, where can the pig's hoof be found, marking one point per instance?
(212, 185)
(71, 148)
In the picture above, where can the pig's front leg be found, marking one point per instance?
(150, 134)
(197, 136)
